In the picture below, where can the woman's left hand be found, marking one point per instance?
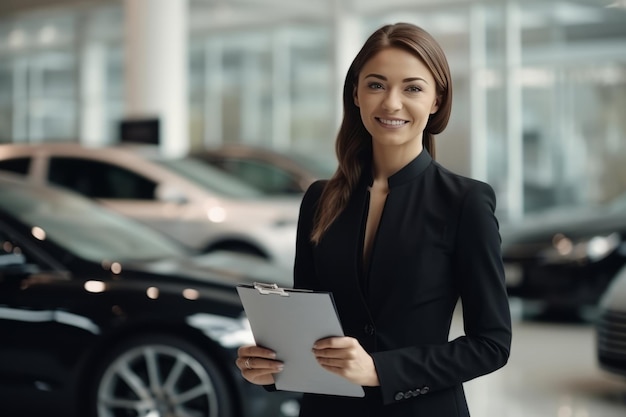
(346, 357)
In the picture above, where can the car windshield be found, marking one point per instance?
(321, 167)
(82, 227)
(211, 178)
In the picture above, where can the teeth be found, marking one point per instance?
(392, 122)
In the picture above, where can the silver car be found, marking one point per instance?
(274, 172)
(202, 207)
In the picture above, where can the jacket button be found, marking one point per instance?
(369, 329)
(399, 396)
(424, 390)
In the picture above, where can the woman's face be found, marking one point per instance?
(396, 94)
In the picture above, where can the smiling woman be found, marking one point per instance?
(396, 90)
(396, 237)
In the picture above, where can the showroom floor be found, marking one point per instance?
(552, 372)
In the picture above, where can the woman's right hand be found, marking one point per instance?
(258, 365)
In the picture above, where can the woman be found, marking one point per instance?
(398, 240)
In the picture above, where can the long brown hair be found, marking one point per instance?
(354, 143)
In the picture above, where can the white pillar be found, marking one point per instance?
(251, 100)
(513, 88)
(348, 42)
(281, 90)
(213, 102)
(478, 93)
(93, 100)
(21, 100)
(35, 95)
(156, 68)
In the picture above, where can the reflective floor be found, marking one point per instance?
(552, 372)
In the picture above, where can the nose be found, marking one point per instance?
(392, 101)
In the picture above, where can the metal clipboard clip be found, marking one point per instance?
(270, 289)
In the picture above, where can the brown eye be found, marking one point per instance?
(375, 86)
(414, 89)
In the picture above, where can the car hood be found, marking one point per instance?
(285, 204)
(542, 227)
(221, 268)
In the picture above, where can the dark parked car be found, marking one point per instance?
(271, 171)
(101, 316)
(611, 327)
(564, 259)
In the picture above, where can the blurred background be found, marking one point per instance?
(540, 86)
(539, 113)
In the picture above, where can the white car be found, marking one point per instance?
(611, 327)
(202, 207)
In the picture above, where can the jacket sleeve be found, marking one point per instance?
(304, 265)
(479, 275)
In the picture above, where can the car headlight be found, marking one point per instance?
(229, 332)
(216, 214)
(591, 249)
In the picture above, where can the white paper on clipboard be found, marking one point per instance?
(289, 321)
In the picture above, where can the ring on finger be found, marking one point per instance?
(247, 363)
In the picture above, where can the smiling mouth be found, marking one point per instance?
(391, 123)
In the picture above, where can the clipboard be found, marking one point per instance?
(289, 321)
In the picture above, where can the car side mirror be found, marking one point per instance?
(170, 194)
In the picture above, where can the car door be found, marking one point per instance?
(123, 190)
(42, 338)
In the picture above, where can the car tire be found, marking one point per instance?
(159, 375)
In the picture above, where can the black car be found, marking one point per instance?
(611, 327)
(563, 260)
(102, 317)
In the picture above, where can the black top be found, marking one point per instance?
(437, 241)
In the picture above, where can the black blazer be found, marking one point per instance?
(437, 241)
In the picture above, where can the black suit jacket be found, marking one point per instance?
(437, 241)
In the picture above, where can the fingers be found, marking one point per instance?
(258, 364)
(258, 370)
(337, 358)
(330, 363)
(345, 357)
(337, 347)
(335, 343)
(336, 352)
(255, 351)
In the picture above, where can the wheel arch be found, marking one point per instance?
(237, 245)
(96, 357)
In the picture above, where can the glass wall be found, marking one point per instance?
(37, 71)
(61, 74)
(269, 87)
(540, 86)
(570, 74)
